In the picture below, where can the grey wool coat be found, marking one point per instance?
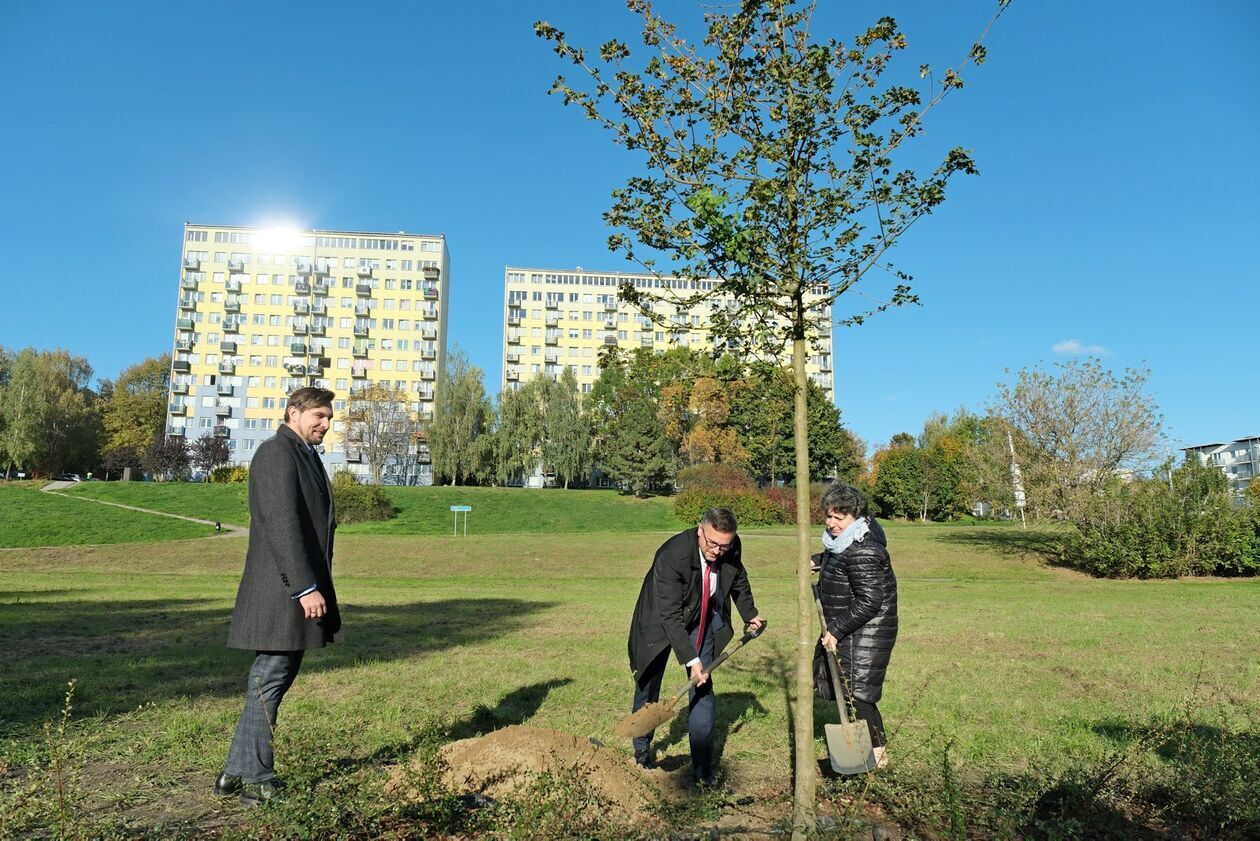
(668, 609)
(291, 528)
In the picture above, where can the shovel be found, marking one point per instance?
(651, 716)
(849, 742)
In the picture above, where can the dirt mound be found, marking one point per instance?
(499, 764)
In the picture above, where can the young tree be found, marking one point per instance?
(381, 427)
(460, 422)
(770, 169)
(134, 413)
(638, 454)
(520, 435)
(167, 458)
(209, 452)
(567, 435)
(1076, 426)
(116, 461)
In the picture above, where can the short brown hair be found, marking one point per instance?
(721, 520)
(308, 397)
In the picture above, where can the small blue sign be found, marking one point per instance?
(461, 507)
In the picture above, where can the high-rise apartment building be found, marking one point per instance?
(263, 312)
(555, 318)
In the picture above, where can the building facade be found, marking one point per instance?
(1239, 460)
(555, 318)
(263, 312)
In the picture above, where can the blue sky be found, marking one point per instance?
(1115, 211)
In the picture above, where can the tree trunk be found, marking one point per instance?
(804, 824)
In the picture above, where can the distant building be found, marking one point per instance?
(555, 319)
(263, 312)
(1239, 460)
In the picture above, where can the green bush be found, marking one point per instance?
(359, 503)
(228, 474)
(1186, 523)
(749, 507)
(715, 478)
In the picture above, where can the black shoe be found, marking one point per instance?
(227, 785)
(645, 760)
(258, 794)
(704, 779)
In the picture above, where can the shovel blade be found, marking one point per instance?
(644, 720)
(849, 747)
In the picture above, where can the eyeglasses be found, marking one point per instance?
(713, 544)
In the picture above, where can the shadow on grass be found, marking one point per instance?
(514, 708)
(132, 652)
(732, 707)
(1011, 542)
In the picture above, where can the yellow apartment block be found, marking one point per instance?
(262, 312)
(555, 318)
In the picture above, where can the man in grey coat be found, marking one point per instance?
(684, 606)
(286, 603)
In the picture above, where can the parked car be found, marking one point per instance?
(69, 477)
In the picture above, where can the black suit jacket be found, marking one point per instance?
(668, 608)
(292, 523)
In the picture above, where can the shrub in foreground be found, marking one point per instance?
(359, 503)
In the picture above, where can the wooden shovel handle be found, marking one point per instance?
(834, 666)
(749, 635)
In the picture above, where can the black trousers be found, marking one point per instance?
(701, 712)
(869, 713)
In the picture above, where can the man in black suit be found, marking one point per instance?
(286, 603)
(676, 610)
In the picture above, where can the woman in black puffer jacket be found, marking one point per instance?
(859, 599)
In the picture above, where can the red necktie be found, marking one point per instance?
(704, 604)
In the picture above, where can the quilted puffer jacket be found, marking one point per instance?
(859, 599)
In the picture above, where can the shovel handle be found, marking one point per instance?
(749, 635)
(833, 666)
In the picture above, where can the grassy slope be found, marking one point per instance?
(422, 510)
(31, 518)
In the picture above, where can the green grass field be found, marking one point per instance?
(31, 518)
(422, 510)
(1004, 668)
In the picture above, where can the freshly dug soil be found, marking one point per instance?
(499, 763)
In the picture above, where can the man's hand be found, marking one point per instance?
(698, 674)
(829, 641)
(756, 622)
(313, 604)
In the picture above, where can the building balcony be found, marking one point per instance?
(363, 290)
(301, 287)
(363, 310)
(513, 376)
(304, 267)
(236, 266)
(428, 334)
(176, 432)
(514, 321)
(232, 305)
(319, 308)
(430, 293)
(233, 287)
(297, 349)
(317, 330)
(220, 431)
(553, 304)
(184, 345)
(231, 326)
(610, 324)
(553, 320)
(428, 375)
(227, 347)
(425, 394)
(227, 368)
(321, 288)
(428, 353)
(187, 303)
(647, 341)
(513, 340)
(322, 268)
(296, 369)
(359, 373)
(361, 330)
(551, 358)
(184, 324)
(222, 410)
(429, 315)
(192, 264)
(225, 389)
(182, 366)
(178, 409)
(179, 388)
(301, 328)
(423, 456)
(610, 306)
(188, 283)
(431, 272)
(354, 456)
(364, 271)
(610, 340)
(359, 350)
(513, 357)
(425, 417)
(301, 308)
(552, 340)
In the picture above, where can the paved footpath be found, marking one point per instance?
(228, 530)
